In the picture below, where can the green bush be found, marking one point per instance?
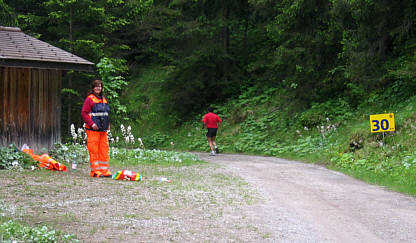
(67, 153)
(156, 140)
(12, 158)
(11, 231)
(319, 113)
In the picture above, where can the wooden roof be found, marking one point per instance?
(20, 50)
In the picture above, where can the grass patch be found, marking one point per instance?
(152, 157)
(404, 183)
(11, 231)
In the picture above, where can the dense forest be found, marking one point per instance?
(312, 51)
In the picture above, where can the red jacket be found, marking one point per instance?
(95, 110)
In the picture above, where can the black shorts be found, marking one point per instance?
(212, 132)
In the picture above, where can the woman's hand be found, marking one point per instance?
(94, 127)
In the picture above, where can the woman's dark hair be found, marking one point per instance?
(210, 109)
(95, 83)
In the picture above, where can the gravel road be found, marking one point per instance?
(233, 198)
(309, 203)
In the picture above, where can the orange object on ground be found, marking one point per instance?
(46, 161)
(97, 143)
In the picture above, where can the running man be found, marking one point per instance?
(211, 121)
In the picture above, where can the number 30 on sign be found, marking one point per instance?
(382, 122)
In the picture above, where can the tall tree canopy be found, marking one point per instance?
(314, 50)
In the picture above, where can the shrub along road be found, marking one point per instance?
(306, 202)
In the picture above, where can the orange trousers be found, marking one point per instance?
(97, 143)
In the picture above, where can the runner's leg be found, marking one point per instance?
(214, 143)
(210, 143)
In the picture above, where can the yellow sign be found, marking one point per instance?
(382, 123)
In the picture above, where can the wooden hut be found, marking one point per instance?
(30, 89)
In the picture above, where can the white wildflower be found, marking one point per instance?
(123, 130)
(141, 142)
(73, 133)
(129, 135)
(110, 136)
(131, 138)
(80, 131)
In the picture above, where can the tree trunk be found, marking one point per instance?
(226, 32)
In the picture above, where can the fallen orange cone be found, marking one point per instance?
(46, 161)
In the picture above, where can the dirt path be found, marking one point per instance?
(308, 203)
(234, 198)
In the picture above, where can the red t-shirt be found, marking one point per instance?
(211, 120)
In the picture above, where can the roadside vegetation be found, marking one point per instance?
(11, 231)
(335, 134)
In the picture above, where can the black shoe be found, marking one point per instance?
(217, 151)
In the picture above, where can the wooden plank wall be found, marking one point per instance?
(30, 111)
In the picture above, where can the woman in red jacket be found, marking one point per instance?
(95, 113)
